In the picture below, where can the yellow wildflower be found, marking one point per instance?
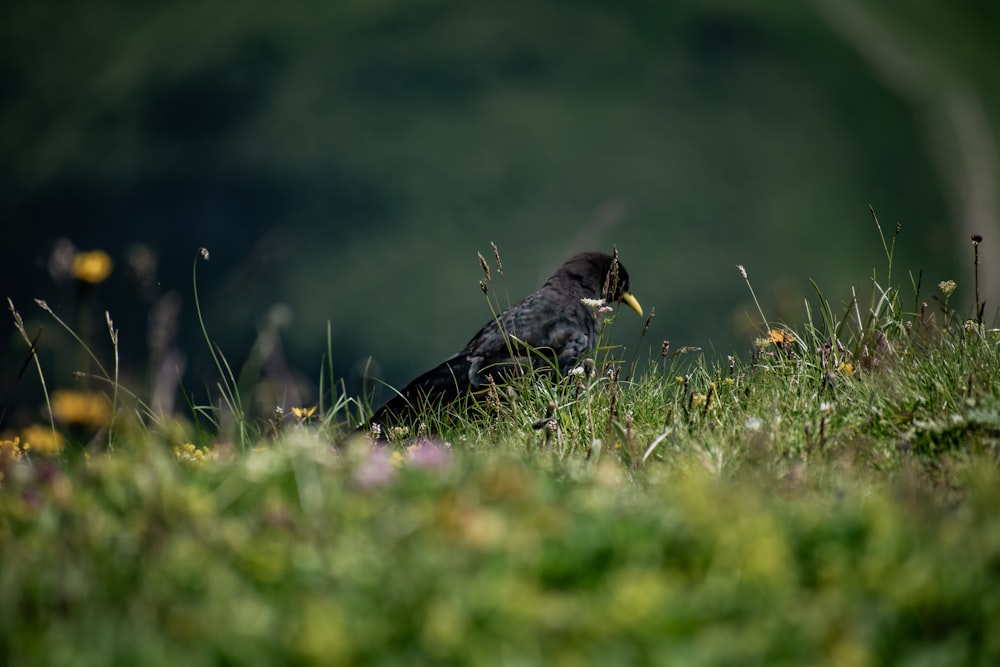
(846, 369)
(777, 337)
(10, 452)
(397, 460)
(42, 439)
(91, 267)
(190, 453)
(947, 287)
(302, 414)
(77, 407)
(780, 337)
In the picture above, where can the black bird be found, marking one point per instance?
(552, 324)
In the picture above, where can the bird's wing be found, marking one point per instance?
(542, 330)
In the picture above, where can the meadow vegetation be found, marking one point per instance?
(832, 498)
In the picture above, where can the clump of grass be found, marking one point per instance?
(873, 389)
(107, 409)
(227, 385)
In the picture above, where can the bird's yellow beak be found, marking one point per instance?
(632, 302)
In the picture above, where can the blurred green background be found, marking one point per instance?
(345, 161)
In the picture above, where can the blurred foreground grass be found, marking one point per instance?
(292, 554)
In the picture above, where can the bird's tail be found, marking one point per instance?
(441, 385)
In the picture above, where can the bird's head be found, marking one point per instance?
(597, 275)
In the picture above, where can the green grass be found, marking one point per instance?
(831, 500)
